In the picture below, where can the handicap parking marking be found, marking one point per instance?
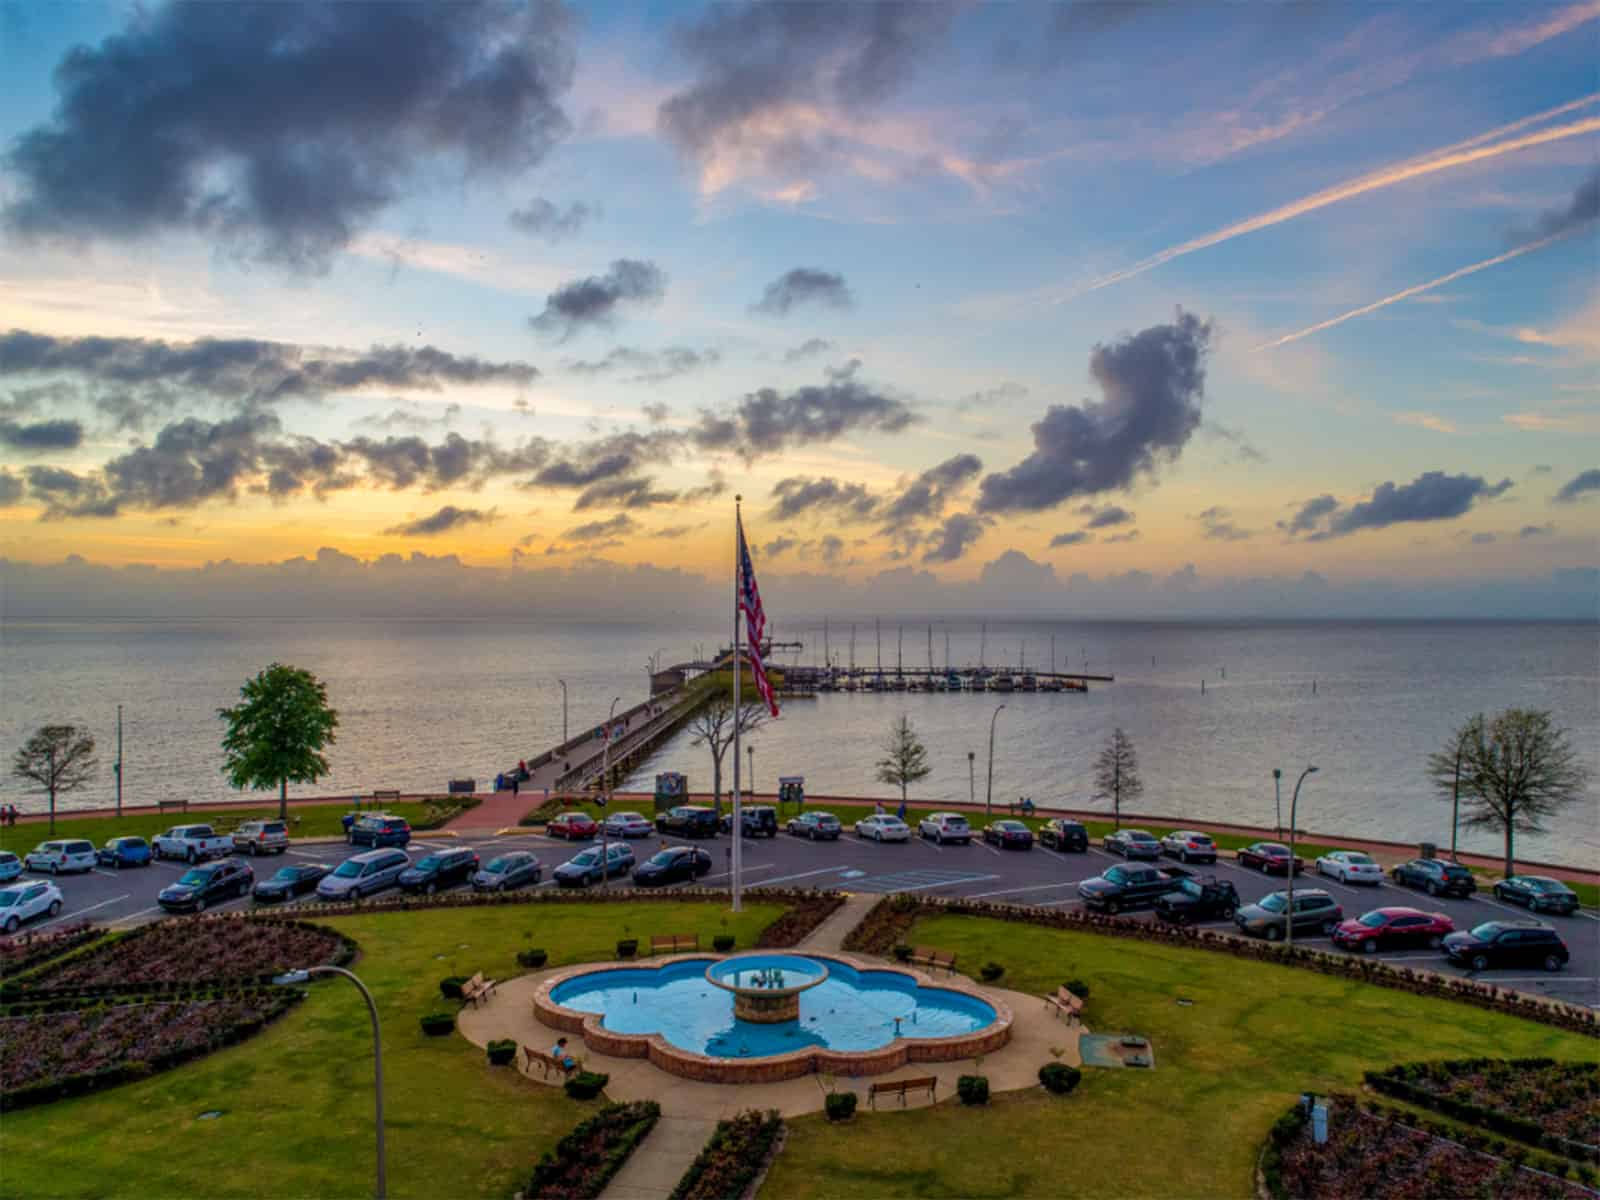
(805, 875)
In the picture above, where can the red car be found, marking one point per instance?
(1270, 858)
(577, 826)
(1392, 928)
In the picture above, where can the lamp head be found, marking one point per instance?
(292, 977)
(1277, 772)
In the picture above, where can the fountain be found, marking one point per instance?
(766, 987)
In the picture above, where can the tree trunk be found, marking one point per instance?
(1510, 834)
(283, 799)
(1116, 791)
(716, 784)
(52, 810)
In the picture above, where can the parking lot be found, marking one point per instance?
(1038, 876)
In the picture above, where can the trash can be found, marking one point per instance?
(1427, 850)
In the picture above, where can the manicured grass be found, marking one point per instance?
(1255, 1037)
(297, 1100)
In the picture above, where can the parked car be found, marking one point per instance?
(688, 820)
(1436, 877)
(364, 874)
(1186, 845)
(10, 866)
(1350, 866)
(191, 843)
(1008, 835)
(584, 867)
(945, 827)
(206, 884)
(1198, 899)
(441, 869)
(1538, 892)
(262, 837)
(1270, 858)
(883, 827)
(628, 825)
(1391, 928)
(125, 852)
(289, 882)
(817, 826)
(1133, 843)
(676, 864)
(1315, 911)
(757, 820)
(507, 871)
(21, 902)
(59, 857)
(1127, 885)
(380, 829)
(574, 826)
(1060, 833)
(1507, 944)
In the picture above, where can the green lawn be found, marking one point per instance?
(297, 1100)
(1255, 1037)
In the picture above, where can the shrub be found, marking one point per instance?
(973, 1089)
(722, 943)
(732, 1159)
(532, 959)
(586, 1085)
(807, 910)
(903, 952)
(627, 947)
(450, 986)
(990, 971)
(1059, 1078)
(437, 1024)
(501, 1051)
(841, 1106)
(1078, 988)
(584, 1161)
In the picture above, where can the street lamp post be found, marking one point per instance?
(605, 792)
(1294, 803)
(750, 753)
(988, 794)
(972, 777)
(563, 684)
(300, 976)
(1277, 800)
(119, 769)
(1455, 794)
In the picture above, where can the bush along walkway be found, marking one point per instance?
(829, 935)
(659, 1161)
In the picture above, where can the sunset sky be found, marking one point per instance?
(1076, 294)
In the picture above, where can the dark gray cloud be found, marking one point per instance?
(599, 531)
(928, 494)
(1239, 447)
(447, 518)
(768, 421)
(609, 457)
(1217, 525)
(623, 493)
(594, 301)
(674, 531)
(286, 127)
(830, 549)
(1431, 496)
(954, 538)
(1152, 383)
(38, 436)
(1075, 537)
(799, 495)
(1482, 539)
(1579, 486)
(1309, 516)
(657, 413)
(1583, 208)
(1105, 518)
(65, 493)
(11, 488)
(1532, 531)
(778, 546)
(989, 397)
(715, 485)
(543, 219)
(801, 286)
(405, 462)
(809, 348)
(1131, 536)
(650, 366)
(413, 417)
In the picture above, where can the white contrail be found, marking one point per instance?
(1413, 291)
(1559, 110)
(1413, 168)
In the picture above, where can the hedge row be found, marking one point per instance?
(20, 954)
(1494, 1119)
(738, 1151)
(42, 1003)
(584, 1161)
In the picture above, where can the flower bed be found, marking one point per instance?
(1535, 1100)
(807, 912)
(737, 1152)
(45, 1055)
(1367, 1154)
(584, 1161)
(19, 954)
(441, 810)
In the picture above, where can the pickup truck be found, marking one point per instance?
(1130, 885)
(1204, 898)
(192, 843)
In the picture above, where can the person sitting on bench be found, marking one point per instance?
(559, 1053)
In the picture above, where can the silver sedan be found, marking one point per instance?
(883, 827)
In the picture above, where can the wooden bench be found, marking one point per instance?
(1064, 1003)
(930, 957)
(673, 943)
(547, 1062)
(477, 988)
(169, 805)
(900, 1087)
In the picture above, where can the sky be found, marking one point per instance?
(1092, 308)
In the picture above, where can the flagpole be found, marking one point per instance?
(736, 882)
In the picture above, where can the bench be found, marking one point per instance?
(1064, 1003)
(672, 943)
(928, 956)
(477, 988)
(169, 805)
(547, 1062)
(901, 1087)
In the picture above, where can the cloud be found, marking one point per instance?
(807, 349)
(447, 518)
(768, 421)
(622, 493)
(543, 219)
(1131, 536)
(286, 128)
(596, 531)
(1217, 525)
(954, 538)
(673, 531)
(1482, 539)
(1579, 486)
(653, 366)
(803, 285)
(799, 495)
(1431, 496)
(594, 301)
(607, 457)
(1581, 210)
(928, 494)
(413, 417)
(41, 435)
(989, 397)
(1103, 518)
(1309, 516)
(658, 413)
(1240, 448)
(1074, 538)
(1152, 383)
(11, 488)
(1532, 531)
(778, 546)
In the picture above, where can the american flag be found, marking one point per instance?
(755, 621)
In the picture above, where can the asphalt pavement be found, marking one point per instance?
(1039, 876)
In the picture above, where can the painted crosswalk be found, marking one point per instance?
(914, 881)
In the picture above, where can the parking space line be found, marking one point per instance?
(1557, 978)
(1038, 887)
(807, 874)
(140, 913)
(80, 912)
(743, 870)
(1055, 903)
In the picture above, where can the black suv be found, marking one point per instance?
(200, 886)
(440, 870)
(1507, 944)
(1436, 877)
(759, 820)
(1197, 899)
(379, 830)
(688, 820)
(1062, 834)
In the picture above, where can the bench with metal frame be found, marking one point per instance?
(900, 1087)
(547, 1062)
(477, 989)
(929, 957)
(673, 943)
(1065, 1003)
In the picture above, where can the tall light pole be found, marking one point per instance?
(1455, 792)
(1293, 813)
(972, 777)
(988, 795)
(300, 976)
(750, 753)
(1277, 799)
(119, 768)
(563, 684)
(605, 792)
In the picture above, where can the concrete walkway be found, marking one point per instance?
(829, 936)
(658, 1162)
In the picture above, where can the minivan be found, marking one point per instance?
(261, 837)
(56, 857)
(364, 875)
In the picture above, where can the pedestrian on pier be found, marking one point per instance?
(516, 786)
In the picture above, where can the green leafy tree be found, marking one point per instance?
(277, 733)
(1116, 772)
(905, 758)
(56, 759)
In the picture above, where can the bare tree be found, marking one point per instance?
(1516, 769)
(712, 727)
(905, 758)
(1445, 768)
(1116, 772)
(58, 758)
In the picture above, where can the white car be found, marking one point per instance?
(21, 902)
(883, 827)
(1350, 866)
(628, 825)
(945, 827)
(56, 857)
(10, 866)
